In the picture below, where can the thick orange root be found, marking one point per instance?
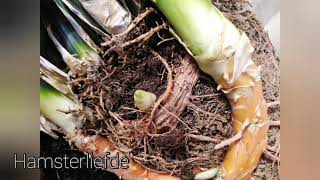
(99, 146)
(247, 103)
(239, 78)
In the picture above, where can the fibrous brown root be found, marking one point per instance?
(146, 36)
(274, 123)
(119, 45)
(186, 77)
(233, 138)
(168, 91)
(271, 156)
(274, 103)
(202, 138)
(134, 23)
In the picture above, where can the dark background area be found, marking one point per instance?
(50, 147)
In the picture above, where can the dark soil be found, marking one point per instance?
(111, 89)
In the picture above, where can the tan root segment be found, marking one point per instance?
(99, 146)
